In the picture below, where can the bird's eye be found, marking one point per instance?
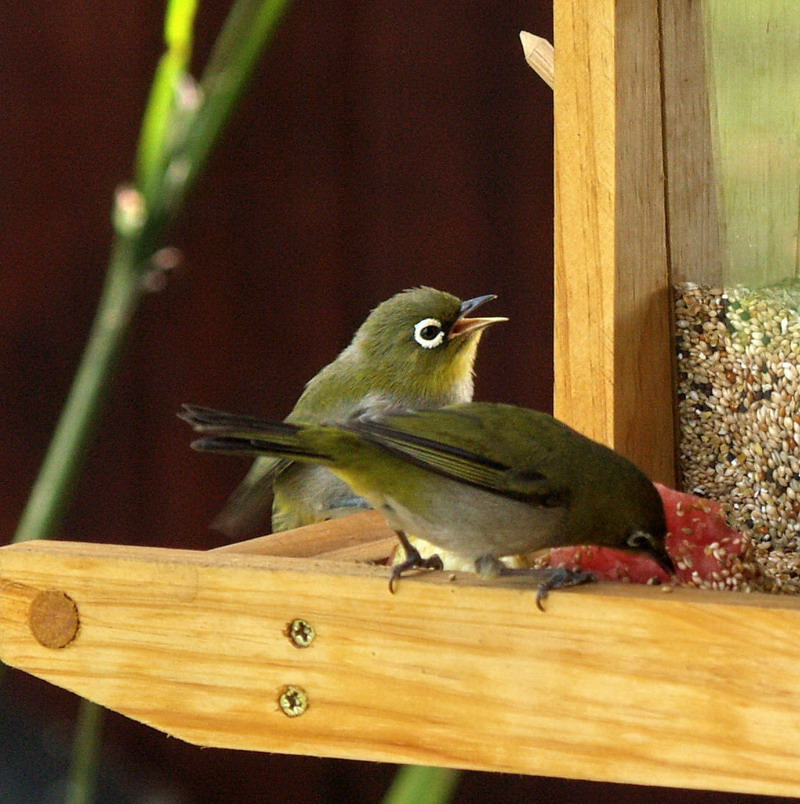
(639, 540)
(428, 333)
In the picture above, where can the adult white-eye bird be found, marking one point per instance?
(483, 480)
(415, 350)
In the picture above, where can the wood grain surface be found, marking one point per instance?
(613, 367)
(613, 682)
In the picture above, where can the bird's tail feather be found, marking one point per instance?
(233, 433)
(245, 445)
(209, 420)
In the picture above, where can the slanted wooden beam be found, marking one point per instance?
(539, 55)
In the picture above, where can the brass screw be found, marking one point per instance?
(301, 633)
(293, 701)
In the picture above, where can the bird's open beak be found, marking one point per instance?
(465, 326)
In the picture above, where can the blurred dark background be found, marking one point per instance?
(381, 145)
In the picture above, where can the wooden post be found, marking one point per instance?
(612, 287)
(694, 223)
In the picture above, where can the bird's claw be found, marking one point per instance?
(414, 561)
(551, 577)
(561, 578)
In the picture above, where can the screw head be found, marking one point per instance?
(301, 633)
(293, 701)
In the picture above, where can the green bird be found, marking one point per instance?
(482, 480)
(415, 350)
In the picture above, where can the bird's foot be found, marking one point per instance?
(413, 561)
(548, 578)
(560, 578)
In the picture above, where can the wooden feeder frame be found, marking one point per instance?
(291, 645)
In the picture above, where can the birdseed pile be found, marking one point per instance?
(738, 361)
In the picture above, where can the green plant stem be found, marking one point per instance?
(82, 780)
(418, 784)
(249, 25)
(64, 459)
(155, 136)
(248, 28)
(166, 171)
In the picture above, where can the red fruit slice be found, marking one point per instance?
(700, 542)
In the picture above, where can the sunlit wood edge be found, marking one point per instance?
(614, 682)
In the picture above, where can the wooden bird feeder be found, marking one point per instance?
(293, 644)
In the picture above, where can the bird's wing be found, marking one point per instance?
(463, 465)
(248, 507)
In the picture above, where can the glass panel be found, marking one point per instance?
(738, 339)
(753, 49)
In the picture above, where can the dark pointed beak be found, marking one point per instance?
(473, 304)
(464, 325)
(643, 541)
(662, 558)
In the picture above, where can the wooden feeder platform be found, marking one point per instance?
(311, 654)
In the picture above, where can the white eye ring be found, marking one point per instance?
(639, 540)
(428, 342)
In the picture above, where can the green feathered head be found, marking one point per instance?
(425, 333)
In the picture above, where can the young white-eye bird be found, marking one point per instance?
(483, 480)
(415, 350)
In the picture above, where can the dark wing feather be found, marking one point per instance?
(460, 464)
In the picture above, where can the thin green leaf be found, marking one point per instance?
(151, 156)
(249, 26)
(179, 23)
(157, 135)
(82, 781)
(417, 784)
